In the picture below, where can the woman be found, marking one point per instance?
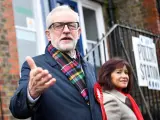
(115, 77)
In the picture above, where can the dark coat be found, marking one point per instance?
(62, 101)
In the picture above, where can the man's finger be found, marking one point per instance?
(50, 82)
(31, 62)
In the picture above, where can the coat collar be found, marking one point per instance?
(117, 94)
(50, 60)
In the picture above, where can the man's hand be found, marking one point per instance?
(39, 79)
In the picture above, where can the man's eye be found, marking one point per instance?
(58, 25)
(72, 25)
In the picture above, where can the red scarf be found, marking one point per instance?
(99, 97)
(135, 107)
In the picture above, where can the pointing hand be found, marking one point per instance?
(39, 80)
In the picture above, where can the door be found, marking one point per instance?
(92, 24)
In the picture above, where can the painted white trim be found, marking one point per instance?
(92, 42)
(25, 28)
(39, 27)
(83, 33)
(99, 15)
(100, 23)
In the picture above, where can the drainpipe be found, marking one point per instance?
(111, 13)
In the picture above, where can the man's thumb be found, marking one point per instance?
(30, 62)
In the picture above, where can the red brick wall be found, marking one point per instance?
(9, 66)
(138, 13)
(151, 16)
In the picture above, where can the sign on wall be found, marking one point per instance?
(146, 62)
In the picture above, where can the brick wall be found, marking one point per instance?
(128, 12)
(9, 67)
(138, 13)
(151, 15)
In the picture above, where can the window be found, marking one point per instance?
(29, 28)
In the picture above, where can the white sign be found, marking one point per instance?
(146, 62)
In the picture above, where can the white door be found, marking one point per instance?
(92, 23)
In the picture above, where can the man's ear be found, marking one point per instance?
(48, 35)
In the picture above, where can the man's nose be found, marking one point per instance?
(66, 29)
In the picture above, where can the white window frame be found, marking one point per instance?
(38, 30)
(41, 39)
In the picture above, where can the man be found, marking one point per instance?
(57, 85)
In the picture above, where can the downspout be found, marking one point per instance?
(111, 13)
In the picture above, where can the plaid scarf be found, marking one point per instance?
(72, 69)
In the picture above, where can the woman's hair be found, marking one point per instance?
(104, 74)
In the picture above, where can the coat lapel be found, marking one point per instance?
(49, 59)
(117, 94)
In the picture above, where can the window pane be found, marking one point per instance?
(90, 24)
(22, 10)
(26, 45)
(24, 19)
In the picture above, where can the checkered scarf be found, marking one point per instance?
(72, 69)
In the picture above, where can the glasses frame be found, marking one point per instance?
(63, 23)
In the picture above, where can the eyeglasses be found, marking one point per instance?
(60, 25)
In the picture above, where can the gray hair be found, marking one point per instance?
(58, 9)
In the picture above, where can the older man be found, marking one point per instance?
(57, 85)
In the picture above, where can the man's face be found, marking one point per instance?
(63, 39)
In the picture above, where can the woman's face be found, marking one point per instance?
(120, 77)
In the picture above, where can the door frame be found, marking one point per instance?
(100, 24)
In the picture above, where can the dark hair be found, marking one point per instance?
(104, 74)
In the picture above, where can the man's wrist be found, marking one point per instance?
(30, 99)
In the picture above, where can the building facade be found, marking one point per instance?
(22, 32)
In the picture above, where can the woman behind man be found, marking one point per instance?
(115, 77)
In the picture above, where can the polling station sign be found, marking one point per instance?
(146, 62)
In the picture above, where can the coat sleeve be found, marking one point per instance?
(19, 106)
(112, 108)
